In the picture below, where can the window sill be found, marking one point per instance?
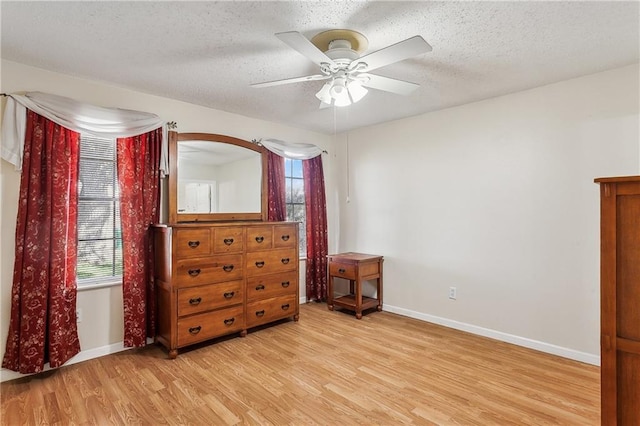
(99, 284)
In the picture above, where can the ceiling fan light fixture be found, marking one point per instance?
(339, 87)
(342, 100)
(356, 91)
(325, 93)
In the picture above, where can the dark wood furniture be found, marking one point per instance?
(620, 300)
(223, 278)
(220, 267)
(355, 267)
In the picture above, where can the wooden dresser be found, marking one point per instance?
(214, 279)
(620, 300)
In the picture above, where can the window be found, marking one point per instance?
(294, 184)
(99, 232)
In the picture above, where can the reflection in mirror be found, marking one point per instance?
(218, 178)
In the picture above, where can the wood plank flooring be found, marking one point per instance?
(327, 369)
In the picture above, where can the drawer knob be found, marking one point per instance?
(285, 284)
(229, 321)
(285, 306)
(195, 301)
(194, 272)
(342, 271)
(260, 264)
(227, 268)
(195, 330)
(260, 287)
(259, 239)
(229, 294)
(285, 238)
(284, 260)
(260, 313)
(194, 244)
(228, 241)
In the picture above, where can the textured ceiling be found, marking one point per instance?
(207, 53)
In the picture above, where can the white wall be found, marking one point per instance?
(497, 199)
(101, 329)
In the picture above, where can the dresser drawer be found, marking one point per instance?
(259, 238)
(192, 242)
(192, 272)
(193, 300)
(343, 270)
(264, 311)
(284, 236)
(271, 262)
(228, 240)
(204, 326)
(267, 286)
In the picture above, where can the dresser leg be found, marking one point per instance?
(296, 317)
(173, 353)
(330, 307)
(243, 333)
(358, 315)
(379, 308)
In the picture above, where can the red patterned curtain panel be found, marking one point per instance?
(276, 187)
(316, 210)
(43, 325)
(138, 176)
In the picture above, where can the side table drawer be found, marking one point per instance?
(343, 270)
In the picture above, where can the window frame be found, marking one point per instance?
(289, 175)
(114, 279)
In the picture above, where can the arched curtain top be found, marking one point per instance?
(74, 115)
(295, 151)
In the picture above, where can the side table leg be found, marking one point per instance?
(329, 290)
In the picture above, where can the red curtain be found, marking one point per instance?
(277, 208)
(43, 325)
(316, 210)
(138, 177)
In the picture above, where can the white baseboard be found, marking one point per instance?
(498, 335)
(82, 356)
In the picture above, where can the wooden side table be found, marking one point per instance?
(355, 267)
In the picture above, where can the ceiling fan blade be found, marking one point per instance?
(395, 53)
(324, 105)
(315, 77)
(389, 84)
(298, 42)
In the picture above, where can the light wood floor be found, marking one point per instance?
(327, 369)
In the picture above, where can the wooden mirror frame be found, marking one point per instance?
(174, 217)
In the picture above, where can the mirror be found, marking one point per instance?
(215, 178)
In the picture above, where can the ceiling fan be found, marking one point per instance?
(337, 52)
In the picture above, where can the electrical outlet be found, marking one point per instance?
(453, 293)
(78, 315)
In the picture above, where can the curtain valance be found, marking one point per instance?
(77, 116)
(294, 151)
